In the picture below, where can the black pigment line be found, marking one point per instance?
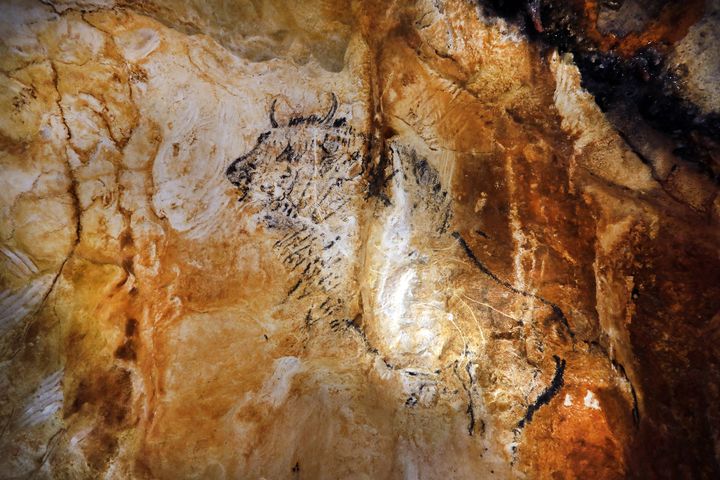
(288, 237)
(483, 268)
(309, 319)
(635, 409)
(548, 394)
(470, 408)
(471, 404)
(306, 269)
(295, 287)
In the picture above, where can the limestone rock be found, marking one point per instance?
(343, 239)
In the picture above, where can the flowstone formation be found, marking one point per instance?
(359, 239)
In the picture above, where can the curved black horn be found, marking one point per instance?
(273, 122)
(331, 113)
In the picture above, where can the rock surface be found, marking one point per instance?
(343, 239)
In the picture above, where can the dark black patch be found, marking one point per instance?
(379, 175)
(425, 174)
(643, 81)
(127, 351)
(130, 327)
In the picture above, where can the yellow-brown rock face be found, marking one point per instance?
(339, 239)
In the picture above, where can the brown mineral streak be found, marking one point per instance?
(670, 26)
(481, 299)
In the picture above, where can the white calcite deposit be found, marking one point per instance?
(268, 239)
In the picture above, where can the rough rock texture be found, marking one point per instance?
(346, 239)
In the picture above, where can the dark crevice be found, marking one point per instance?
(623, 373)
(624, 74)
(635, 408)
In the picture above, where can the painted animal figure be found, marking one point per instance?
(301, 176)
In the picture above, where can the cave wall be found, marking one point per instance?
(344, 239)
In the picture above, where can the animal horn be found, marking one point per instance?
(273, 122)
(333, 108)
